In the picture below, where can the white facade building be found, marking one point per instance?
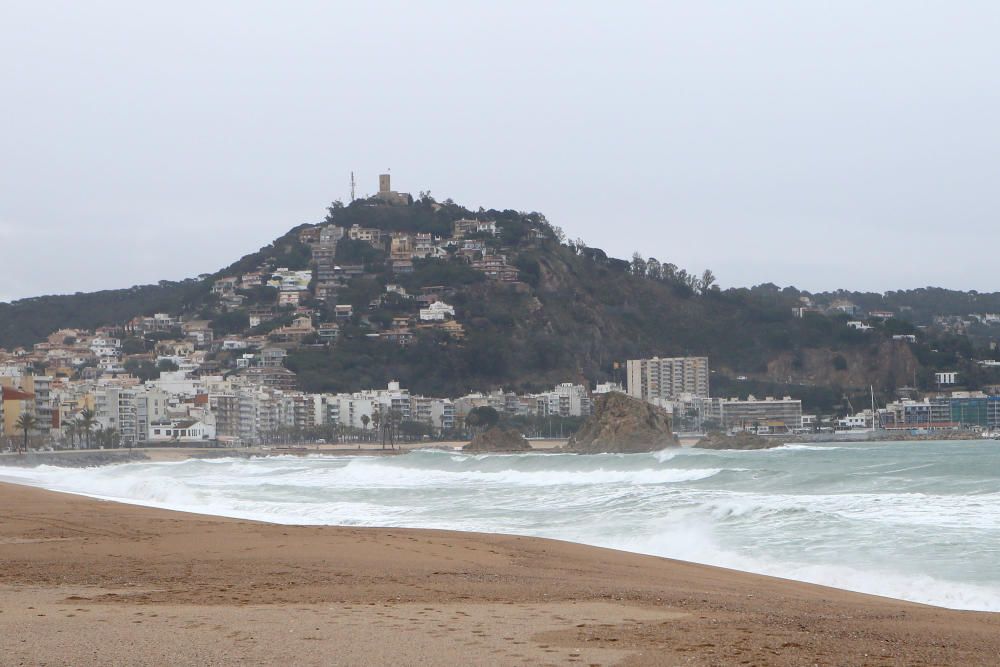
(657, 380)
(436, 312)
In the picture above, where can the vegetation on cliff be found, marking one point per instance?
(574, 314)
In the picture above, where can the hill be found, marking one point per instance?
(520, 308)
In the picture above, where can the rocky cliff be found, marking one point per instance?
(622, 424)
(497, 439)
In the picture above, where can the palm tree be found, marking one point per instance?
(376, 420)
(27, 423)
(364, 424)
(99, 436)
(87, 420)
(71, 432)
(395, 419)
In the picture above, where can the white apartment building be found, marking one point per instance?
(130, 411)
(658, 380)
(565, 400)
(347, 409)
(767, 415)
(106, 347)
(436, 312)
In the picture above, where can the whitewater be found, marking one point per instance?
(918, 521)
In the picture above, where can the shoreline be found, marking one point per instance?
(963, 597)
(84, 575)
(72, 458)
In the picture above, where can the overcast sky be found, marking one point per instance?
(819, 144)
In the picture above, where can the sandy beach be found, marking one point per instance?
(87, 582)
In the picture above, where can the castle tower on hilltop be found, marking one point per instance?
(386, 194)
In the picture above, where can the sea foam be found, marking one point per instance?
(912, 521)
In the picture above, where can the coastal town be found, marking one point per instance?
(223, 372)
(91, 400)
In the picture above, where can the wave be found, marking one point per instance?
(916, 523)
(794, 446)
(695, 543)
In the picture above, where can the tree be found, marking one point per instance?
(71, 432)
(638, 265)
(654, 269)
(414, 430)
(144, 370)
(27, 423)
(365, 419)
(395, 418)
(707, 280)
(167, 365)
(109, 438)
(86, 421)
(482, 418)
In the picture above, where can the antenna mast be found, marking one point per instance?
(352, 186)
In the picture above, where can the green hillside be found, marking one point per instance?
(572, 314)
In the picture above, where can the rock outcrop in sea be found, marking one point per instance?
(741, 440)
(498, 439)
(623, 424)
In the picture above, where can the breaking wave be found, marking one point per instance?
(916, 521)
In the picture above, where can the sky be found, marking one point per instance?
(818, 144)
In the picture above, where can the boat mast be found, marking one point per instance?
(874, 413)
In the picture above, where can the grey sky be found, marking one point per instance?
(820, 144)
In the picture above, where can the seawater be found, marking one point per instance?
(912, 520)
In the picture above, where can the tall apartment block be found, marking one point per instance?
(667, 379)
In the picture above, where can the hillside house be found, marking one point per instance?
(328, 331)
(463, 228)
(437, 312)
(369, 235)
(296, 331)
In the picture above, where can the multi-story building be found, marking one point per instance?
(348, 409)
(424, 246)
(330, 234)
(41, 386)
(659, 380)
(367, 234)
(130, 411)
(16, 401)
(496, 267)
(226, 407)
(442, 414)
(960, 410)
(401, 245)
(767, 415)
(565, 400)
(273, 357)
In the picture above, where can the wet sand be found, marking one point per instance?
(86, 582)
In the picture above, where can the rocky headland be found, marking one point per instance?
(622, 424)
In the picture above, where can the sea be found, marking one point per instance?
(917, 521)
